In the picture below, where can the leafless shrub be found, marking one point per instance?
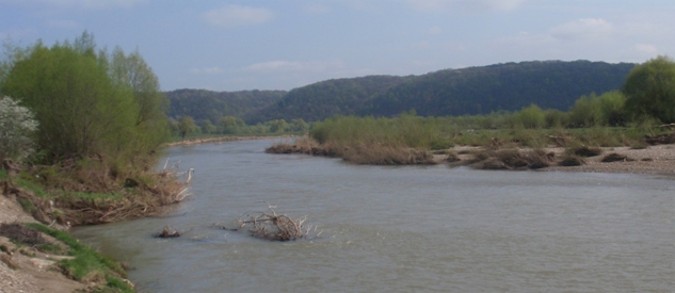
(275, 227)
(513, 159)
(585, 151)
(387, 155)
(614, 157)
(571, 160)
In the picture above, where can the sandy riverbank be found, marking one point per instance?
(658, 159)
(654, 160)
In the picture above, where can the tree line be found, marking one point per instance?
(644, 101)
(87, 103)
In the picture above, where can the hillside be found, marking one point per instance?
(508, 87)
(209, 105)
(328, 98)
(473, 90)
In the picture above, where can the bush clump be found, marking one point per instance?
(585, 151)
(513, 159)
(571, 160)
(614, 157)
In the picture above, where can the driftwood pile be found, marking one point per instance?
(275, 227)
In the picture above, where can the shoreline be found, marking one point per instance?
(651, 160)
(220, 139)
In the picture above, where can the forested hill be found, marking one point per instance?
(328, 98)
(209, 105)
(510, 86)
(473, 90)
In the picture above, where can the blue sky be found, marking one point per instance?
(284, 44)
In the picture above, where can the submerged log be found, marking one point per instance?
(168, 232)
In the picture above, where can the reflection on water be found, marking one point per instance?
(402, 229)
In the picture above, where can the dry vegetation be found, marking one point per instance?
(59, 196)
(272, 226)
(562, 153)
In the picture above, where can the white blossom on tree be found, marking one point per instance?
(17, 126)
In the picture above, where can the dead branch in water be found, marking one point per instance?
(275, 227)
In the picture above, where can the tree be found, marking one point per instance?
(650, 90)
(83, 109)
(585, 112)
(531, 117)
(131, 72)
(231, 124)
(16, 129)
(186, 126)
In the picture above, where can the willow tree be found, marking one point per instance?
(133, 73)
(650, 90)
(83, 108)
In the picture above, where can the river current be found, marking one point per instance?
(401, 229)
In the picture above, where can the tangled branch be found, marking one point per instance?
(275, 227)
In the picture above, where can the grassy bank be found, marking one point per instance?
(410, 139)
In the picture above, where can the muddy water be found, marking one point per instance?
(402, 229)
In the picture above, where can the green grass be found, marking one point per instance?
(87, 263)
(24, 181)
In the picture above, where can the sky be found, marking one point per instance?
(285, 44)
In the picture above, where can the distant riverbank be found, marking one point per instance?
(654, 159)
(216, 139)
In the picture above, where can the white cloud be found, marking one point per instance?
(206, 70)
(277, 66)
(481, 5)
(237, 15)
(583, 29)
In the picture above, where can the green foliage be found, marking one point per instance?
(84, 105)
(131, 72)
(604, 110)
(650, 89)
(17, 127)
(186, 126)
(403, 131)
(231, 124)
(531, 117)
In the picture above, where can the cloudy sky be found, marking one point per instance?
(283, 44)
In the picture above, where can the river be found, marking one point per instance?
(401, 229)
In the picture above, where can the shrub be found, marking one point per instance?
(614, 157)
(17, 127)
(585, 151)
(571, 160)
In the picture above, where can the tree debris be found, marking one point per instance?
(275, 227)
(168, 232)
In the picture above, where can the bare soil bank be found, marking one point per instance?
(23, 269)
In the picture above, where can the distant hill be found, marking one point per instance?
(209, 105)
(473, 90)
(509, 87)
(328, 98)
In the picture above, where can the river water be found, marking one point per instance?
(401, 229)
